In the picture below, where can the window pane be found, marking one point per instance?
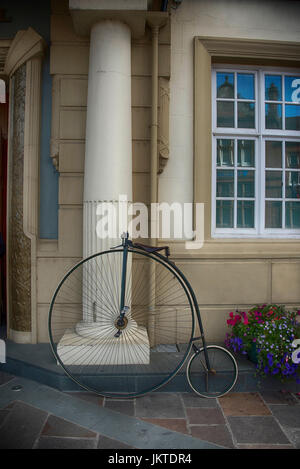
(273, 214)
(225, 152)
(273, 88)
(292, 155)
(245, 86)
(273, 184)
(292, 89)
(245, 214)
(224, 214)
(246, 115)
(273, 116)
(273, 154)
(292, 185)
(246, 183)
(246, 153)
(292, 215)
(292, 117)
(225, 186)
(225, 114)
(225, 85)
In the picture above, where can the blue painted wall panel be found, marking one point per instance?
(36, 14)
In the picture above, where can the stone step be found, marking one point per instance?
(36, 362)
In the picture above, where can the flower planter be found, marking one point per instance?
(252, 353)
(273, 330)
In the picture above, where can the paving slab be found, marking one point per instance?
(59, 427)
(110, 443)
(160, 405)
(218, 434)
(191, 399)
(178, 425)
(174, 420)
(128, 430)
(125, 407)
(65, 443)
(242, 404)
(22, 427)
(288, 416)
(258, 446)
(205, 416)
(262, 430)
(279, 397)
(293, 435)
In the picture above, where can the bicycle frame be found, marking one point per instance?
(127, 244)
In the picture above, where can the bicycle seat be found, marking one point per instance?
(152, 249)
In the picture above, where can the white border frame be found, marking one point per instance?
(260, 134)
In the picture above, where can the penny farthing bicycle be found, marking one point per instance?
(125, 321)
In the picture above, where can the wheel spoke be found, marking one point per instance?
(142, 353)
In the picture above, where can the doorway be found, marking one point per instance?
(3, 202)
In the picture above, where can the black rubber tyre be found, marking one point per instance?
(157, 334)
(217, 382)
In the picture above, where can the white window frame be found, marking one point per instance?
(260, 134)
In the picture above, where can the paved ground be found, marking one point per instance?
(36, 416)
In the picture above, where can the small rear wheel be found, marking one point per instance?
(221, 377)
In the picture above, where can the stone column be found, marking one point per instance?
(108, 156)
(108, 174)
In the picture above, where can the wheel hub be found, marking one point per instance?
(121, 323)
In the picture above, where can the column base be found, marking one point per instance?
(102, 348)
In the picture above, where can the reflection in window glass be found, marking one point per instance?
(273, 116)
(273, 184)
(292, 155)
(225, 85)
(245, 86)
(246, 153)
(292, 215)
(273, 86)
(292, 117)
(273, 214)
(224, 218)
(225, 114)
(225, 152)
(292, 89)
(273, 154)
(225, 185)
(245, 214)
(246, 115)
(245, 184)
(292, 184)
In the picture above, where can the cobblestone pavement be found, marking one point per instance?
(38, 417)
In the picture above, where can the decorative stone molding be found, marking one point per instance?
(208, 50)
(19, 249)
(54, 143)
(25, 45)
(26, 51)
(163, 122)
(249, 48)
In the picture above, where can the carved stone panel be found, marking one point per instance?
(19, 244)
(163, 123)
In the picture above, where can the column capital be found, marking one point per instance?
(134, 13)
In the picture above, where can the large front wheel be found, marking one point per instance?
(115, 346)
(221, 377)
